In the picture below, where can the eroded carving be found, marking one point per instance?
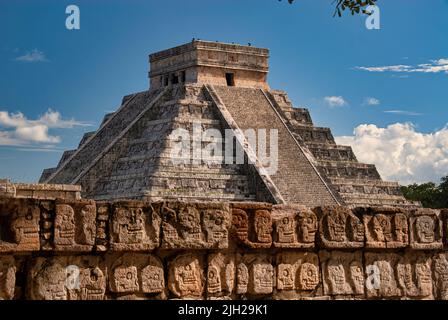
(75, 225)
(134, 226)
(342, 273)
(186, 276)
(426, 229)
(195, 226)
(340, 228)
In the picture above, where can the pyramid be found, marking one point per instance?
(221, 87)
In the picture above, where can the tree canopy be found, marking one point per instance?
(354, 6)
(429, 194)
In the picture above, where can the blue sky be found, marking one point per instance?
(382, 91)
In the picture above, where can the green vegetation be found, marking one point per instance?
(354, 6)
(429, 194)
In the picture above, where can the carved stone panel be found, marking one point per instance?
(415, 275)
(386, 228)
(136, 273)
(255, 274)
(426, 229)
(221, 274)
(7, 277)
(135, 226)
(75, 225)
(252, 224)
(298, 271)
(186, 276)
(19, 225)
(67, 278)
(382, 277)
(195, 225)
(294, 226)
(339, 227)
(343, 273)
(440, 266)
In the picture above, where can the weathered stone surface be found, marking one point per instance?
(340, 228)
(67, 278)
(7, 277)
(440, 265)
(195, 226)
(395, 276)
(426, 229)
(19, 225)
(75, 225)
(252, 224)
(221, 275)
(136, 273)
(343, 273)
(298, 275)
(255, 274)
(135, 226)
(294, 226)
(386, 228)
(186, 279)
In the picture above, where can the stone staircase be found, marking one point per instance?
(358, 184)
(250, 109)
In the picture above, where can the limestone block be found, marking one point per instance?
(7, 277)
(294, 226)
(186, 276)
(381, 270)
(386, 228)
(252, 224)
(297, 271)
(342, 272)
(75, 225)
(221, 273)
(440, 265)
(255, 274)
(136, 273)
(195, 225)
(426, 229)
(19, 225)
(339, 227)
(135, 226)
(67, 278)
(407, 275)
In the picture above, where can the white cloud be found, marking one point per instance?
(400, 152)
(435, 66)
(33, 56)
(370, 101)
(21, 131)
(335, 101)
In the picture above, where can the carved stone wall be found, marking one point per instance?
(80, 249)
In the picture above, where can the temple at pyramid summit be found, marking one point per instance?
(223, 87)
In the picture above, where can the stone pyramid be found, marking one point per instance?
(222, 87)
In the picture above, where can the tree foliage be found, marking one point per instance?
(353, 6)
(429, 194)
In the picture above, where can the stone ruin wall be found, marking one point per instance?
(81, 249)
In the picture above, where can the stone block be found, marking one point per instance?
(294, 226)
(342, 272)
(135, 226)
(19, 225)
(67, 278)
(426, 229)
(340, 227)
(136, 273)
(386, 228)
(75, 225)
(7, 277)
(195, 225)
(221, 274)
(252, 224)
(186, 278)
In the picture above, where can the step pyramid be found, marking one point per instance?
(221, 88)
